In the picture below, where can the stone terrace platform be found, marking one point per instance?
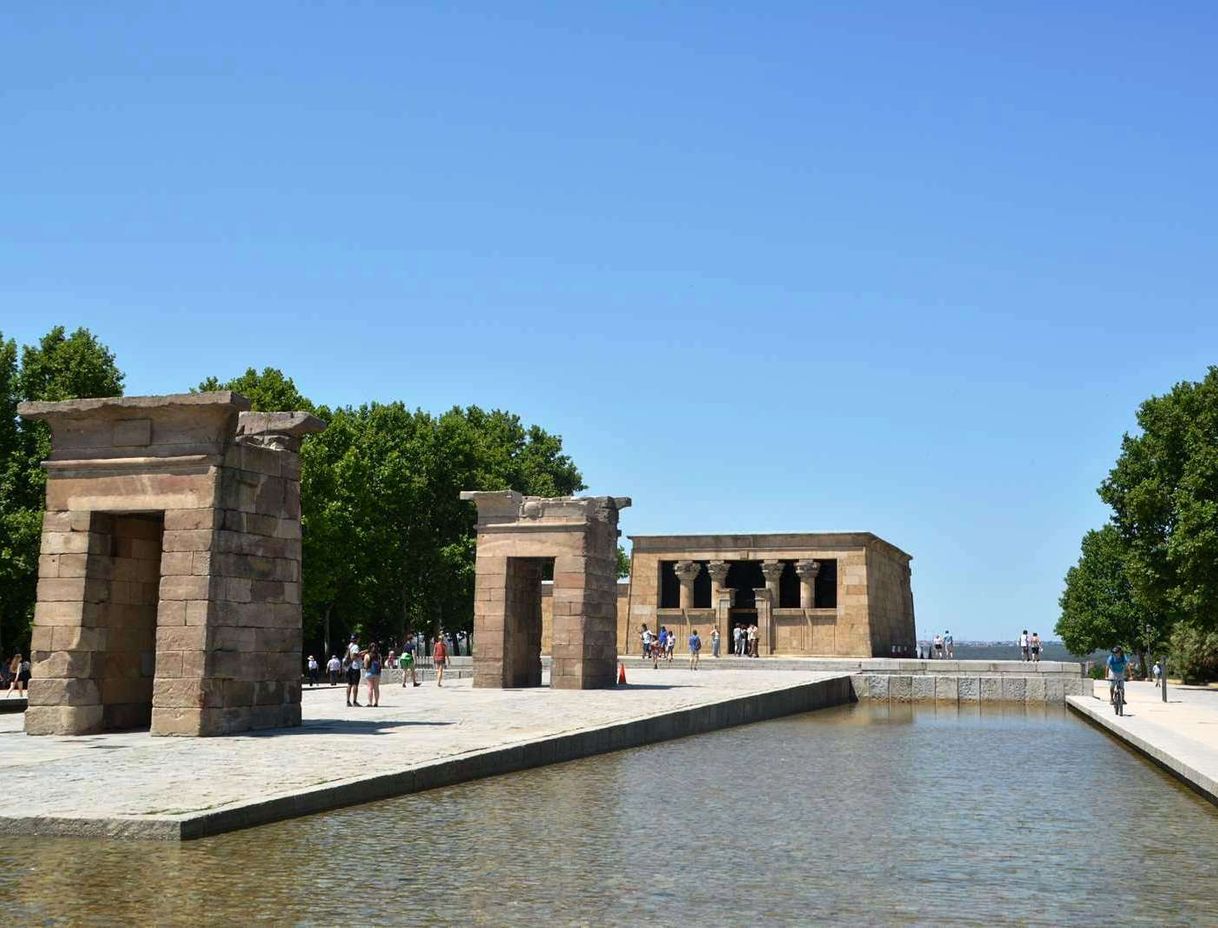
(132, 785)
(1181, 735)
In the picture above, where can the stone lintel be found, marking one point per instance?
(127, 407)
(754, 546)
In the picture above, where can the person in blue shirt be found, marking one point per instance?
(695, 649)
(1118, 664)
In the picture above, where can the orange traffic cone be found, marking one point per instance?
(621, 674)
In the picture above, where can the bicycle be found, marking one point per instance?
(1118, 696)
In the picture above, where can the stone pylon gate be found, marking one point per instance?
(517, 535)
(169, 575)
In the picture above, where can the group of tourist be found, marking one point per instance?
(744, 640)
(943, 647)
(1029, 646)
(658, 646)
(367, 664)
(661, 645)
(17, 676)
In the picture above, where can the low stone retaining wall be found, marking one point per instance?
(965, 688)
(907, 680)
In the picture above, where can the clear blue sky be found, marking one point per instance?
(905, 268)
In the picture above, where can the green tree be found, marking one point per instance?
(1099, 607)
(1194, 654)
(1164, 495)
(61, 366)
(623, 563)
(268, 390)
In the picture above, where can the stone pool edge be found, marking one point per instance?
(1102, 717)
(805, 696)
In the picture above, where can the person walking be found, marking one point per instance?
(1023, 644)
(1034, 645)
(1157, 672)
(714, 642)
(752, 640)
(670, 645)
(17, 679)
(737, 646)
(333, 667)
(937, 653)
(372, 673)
(646, 636)
(313, 668)
(439, 657)
(695, 649)
(948, 645)
(406, 662)
(354, 664)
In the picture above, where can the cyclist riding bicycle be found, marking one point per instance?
(1118, 664)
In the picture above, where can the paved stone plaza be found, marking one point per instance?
(136, 785)
(1180, 734)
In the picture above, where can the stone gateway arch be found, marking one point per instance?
(169, 574)
(518, 536)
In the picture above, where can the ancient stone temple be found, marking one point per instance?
(826, 594)
(169, 576)
(521, 538)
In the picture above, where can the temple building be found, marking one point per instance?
(832, 594)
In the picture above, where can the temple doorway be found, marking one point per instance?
(522, 620)
(122, 579)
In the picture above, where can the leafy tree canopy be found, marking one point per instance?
(268, 390)
(1099, 607)
(1164, 495)
(60, 367)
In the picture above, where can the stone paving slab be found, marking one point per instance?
(136, 786)
(1180, 735)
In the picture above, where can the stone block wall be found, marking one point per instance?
(169, 591)
(971, 683)
(890, 602)
(580, 535)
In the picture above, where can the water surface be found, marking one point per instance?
(853, 816)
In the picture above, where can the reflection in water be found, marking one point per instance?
(858, 815)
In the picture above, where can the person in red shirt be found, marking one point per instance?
(439, 657)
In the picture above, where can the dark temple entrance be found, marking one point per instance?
(522, 620)
(744, 577)
(123, 578)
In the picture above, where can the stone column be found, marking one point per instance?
(807, 571)
(687, 572)
(772, 570)
(718, 574)
(765, 624)
(721, 601)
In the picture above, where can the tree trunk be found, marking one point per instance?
(326, 629)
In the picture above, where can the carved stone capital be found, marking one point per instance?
(718, 571)
(772, 570)
(807, 570)
(687, 571)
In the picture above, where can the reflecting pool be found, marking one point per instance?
(853, 816)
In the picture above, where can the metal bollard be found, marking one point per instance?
(1163, 665)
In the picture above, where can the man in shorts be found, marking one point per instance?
(355, 662)
(695, 648)
(406, 662)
